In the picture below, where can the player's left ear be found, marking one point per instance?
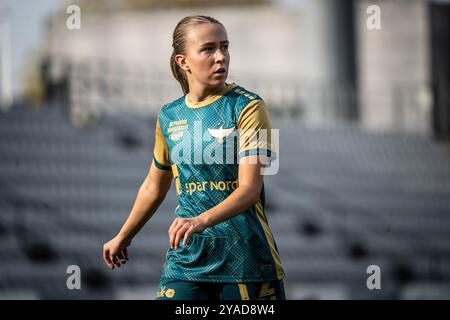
(182, 62)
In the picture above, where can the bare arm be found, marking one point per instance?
(149, 197)
(245, 195)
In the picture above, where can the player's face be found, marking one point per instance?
(207, 54)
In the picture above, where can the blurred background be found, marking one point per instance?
(359, 90)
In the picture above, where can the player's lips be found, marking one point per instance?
(220, 71)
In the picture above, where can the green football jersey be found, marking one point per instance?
(201, 143)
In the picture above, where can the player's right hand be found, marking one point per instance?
(115, 252)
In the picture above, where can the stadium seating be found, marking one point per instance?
(343, 199)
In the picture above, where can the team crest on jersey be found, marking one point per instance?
(220, 133)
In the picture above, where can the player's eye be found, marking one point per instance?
(225, 47)
(207, 49)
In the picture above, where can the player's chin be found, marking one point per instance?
(218, 78)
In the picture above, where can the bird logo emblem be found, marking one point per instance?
(220, 133)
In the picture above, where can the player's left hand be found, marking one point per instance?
(184, 227)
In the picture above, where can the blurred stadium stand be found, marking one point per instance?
(343, 199)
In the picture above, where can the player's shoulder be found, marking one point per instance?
(244, 98)
(243, 94)
(169, 108)
(173, 104)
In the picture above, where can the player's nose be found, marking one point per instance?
(220, 57)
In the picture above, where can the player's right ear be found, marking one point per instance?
(182, 62)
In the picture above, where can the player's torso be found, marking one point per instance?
(203, 149)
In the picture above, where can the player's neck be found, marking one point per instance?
(198, 93)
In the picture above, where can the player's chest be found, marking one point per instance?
(203, 125)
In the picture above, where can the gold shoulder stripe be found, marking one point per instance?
(244, 93)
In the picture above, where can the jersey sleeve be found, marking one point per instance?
(255, 127)
(161, 149)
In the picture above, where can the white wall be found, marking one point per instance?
(393, 65)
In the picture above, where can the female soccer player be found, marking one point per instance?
(210, 142)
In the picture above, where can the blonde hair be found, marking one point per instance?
(179, 45)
